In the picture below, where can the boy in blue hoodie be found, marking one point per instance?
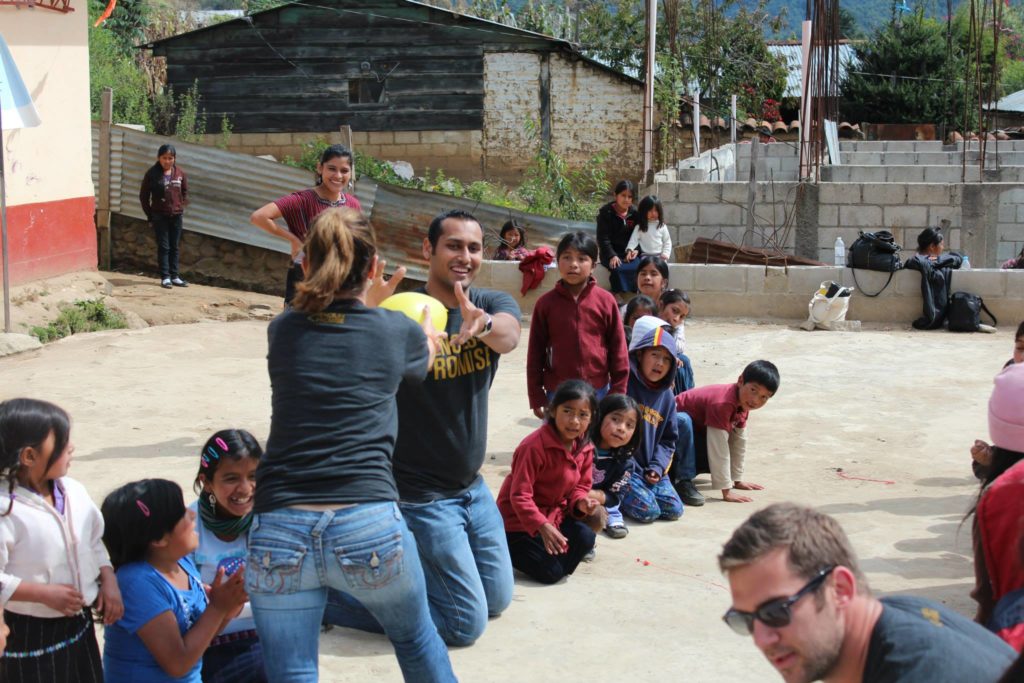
(652, 363)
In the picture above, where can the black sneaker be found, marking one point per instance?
(178, 282)
(616, 531)
(689, 493)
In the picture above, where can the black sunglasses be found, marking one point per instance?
(774, 614)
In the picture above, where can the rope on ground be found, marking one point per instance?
(844, 475)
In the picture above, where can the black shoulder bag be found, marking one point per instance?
(875, 251)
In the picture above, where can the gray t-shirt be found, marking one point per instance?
(920, 641)
(442, 430)
(334, 420)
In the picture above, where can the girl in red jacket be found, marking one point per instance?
(544, 501)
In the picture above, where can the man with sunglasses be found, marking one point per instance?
(797, 590)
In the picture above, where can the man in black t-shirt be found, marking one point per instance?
(797, 589)
(442, 439)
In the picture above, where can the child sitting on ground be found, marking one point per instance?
(53, 566)
(673, 308)
(650, 236)
(513, 243)
(718, 444)
(549, 516)
(638, 307)
(616, 437)
(575, 331)
(226, 484)
(649, 495)
(168, 619)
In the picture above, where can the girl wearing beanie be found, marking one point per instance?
(999, 514)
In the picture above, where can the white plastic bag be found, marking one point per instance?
(828, 305)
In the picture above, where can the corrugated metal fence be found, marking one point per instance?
(225, 187)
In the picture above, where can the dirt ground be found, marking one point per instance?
(873, 427)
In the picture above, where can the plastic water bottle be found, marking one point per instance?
(966, 265)
(840, 253)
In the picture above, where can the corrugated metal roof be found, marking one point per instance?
(1013, 102)
(793, 54)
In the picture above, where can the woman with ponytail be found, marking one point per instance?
(326, 506)
(331, 186)
(164, 196)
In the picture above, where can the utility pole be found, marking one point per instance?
(652, 20)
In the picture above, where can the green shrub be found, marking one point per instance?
(89, 315)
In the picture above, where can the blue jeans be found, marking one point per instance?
(623, 278)
(465, 559)
(684, 464)
(647, 502)
(684, 375)
(366, 551)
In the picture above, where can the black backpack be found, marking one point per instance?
(964, 312)
(875, 251)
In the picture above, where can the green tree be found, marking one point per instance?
(906, 76)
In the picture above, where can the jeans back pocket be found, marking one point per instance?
(373, 563)
(273, 568)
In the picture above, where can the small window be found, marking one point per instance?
(366, 91)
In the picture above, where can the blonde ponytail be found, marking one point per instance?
(339, 248)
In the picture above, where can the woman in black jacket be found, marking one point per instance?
(164, 195)
(936, 271)
(615, 223)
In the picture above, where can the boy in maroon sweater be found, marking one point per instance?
(576, 331)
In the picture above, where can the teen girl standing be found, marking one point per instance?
(225, 484)
(326, 508)
(545, 501)
(53, 565)
(615, 223)
(164, 196)
(330, 191)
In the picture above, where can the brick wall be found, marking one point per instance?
(511, 98)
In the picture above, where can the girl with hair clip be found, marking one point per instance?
(168, 619)
(513, 243)
(615, 223)
(326, 510)
(549, 515)
(330, 191)
(225, 484)
(650, 236)
(616, 438)
(164, 196)
(53, 565)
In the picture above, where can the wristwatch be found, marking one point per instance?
(488, 326)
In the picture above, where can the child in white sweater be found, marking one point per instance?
(53, 564)
(650, 236)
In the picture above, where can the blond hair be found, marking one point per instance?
(339, 248)
(814, 542)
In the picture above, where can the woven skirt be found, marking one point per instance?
(41, 650)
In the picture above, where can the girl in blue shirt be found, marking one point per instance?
(168, 620)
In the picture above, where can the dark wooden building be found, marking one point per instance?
(413, 81)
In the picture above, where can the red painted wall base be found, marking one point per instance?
(51, 238)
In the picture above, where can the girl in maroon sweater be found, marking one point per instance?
(164, 196)
(545, 501)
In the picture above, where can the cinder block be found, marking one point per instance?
(737, 192)
(1015, 282)
(900, 158)
(884, 193)
(444, 150)
(905, 216)
(681, 214)
(716, 278)
(929, 194)
(432, 136)
(838, 193)
(282, 139)
(682, 275)
(899, 146)
(719, 215)
(699, 193)
(252, 139)
(806, 279)
(942, 174)
(953, 239)
(985, 283)
(1006, 251)
(862, 216)
(936, 214)
(828, 215)
(904, 174)
(406, 137)
(1007, 213)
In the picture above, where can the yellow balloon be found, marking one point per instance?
(412, 303)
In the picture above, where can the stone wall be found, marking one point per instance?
(458, 152)
(779, 293)
(511, 98)
(203, 259)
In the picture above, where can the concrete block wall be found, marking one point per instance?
(776, 160)
(511, 86)
(781, 293)
(1010, 224)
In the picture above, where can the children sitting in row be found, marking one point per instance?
(716, 417)
(616, 438)
(53, 565)
(548, 513)
(575, 330)
(513, 243)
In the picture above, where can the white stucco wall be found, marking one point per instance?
(52, 161)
